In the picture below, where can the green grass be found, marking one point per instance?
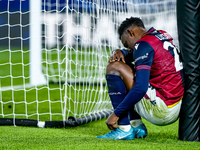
(84, 138)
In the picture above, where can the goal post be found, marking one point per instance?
(36, 75)
(55, 53)
(188, 15)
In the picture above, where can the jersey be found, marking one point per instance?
(156, 52)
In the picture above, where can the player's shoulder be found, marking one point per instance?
(142, 51)
(142, 47)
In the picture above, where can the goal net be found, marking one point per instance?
(54, 54)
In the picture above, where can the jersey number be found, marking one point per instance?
(178, 64)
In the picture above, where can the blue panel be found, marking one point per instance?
(15, 5)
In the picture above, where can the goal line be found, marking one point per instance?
(70, 122)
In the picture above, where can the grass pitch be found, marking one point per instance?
(84, 138)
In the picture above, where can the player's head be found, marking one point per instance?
(130, 31)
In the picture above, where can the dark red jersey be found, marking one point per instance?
(156, 52)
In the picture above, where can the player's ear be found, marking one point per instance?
(130, 33)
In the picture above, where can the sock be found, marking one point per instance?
(117, 92)
(136, 123)
(125, 128)
(133, 115)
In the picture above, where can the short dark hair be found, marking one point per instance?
(128, 22)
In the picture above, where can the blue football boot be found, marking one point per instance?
(119, 134)
(140, 131)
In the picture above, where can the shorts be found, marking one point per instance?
(154, 110)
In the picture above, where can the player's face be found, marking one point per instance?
(129, 38)
(126, 41)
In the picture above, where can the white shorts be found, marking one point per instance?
(155, 110)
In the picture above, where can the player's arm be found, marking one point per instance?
(136, 93)
(143, 59)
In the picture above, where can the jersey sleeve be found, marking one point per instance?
(143, 56)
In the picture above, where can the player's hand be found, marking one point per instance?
(112, 121)
(117, 56)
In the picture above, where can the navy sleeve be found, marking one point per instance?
(136, 93)
(143, 56)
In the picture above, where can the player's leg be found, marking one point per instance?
(120, 77)
(122, 70)
(117, 90)
(135, 119)
(126, 73)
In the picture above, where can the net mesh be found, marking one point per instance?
(77, 38)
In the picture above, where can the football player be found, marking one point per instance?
(145, 80)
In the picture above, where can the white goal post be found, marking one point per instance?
(55, 53)
(36, 75)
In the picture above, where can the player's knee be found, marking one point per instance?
(113, 68)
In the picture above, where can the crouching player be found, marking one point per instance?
(152, 89)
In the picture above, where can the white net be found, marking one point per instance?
(53, 66)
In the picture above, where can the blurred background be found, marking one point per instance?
(14, 18)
